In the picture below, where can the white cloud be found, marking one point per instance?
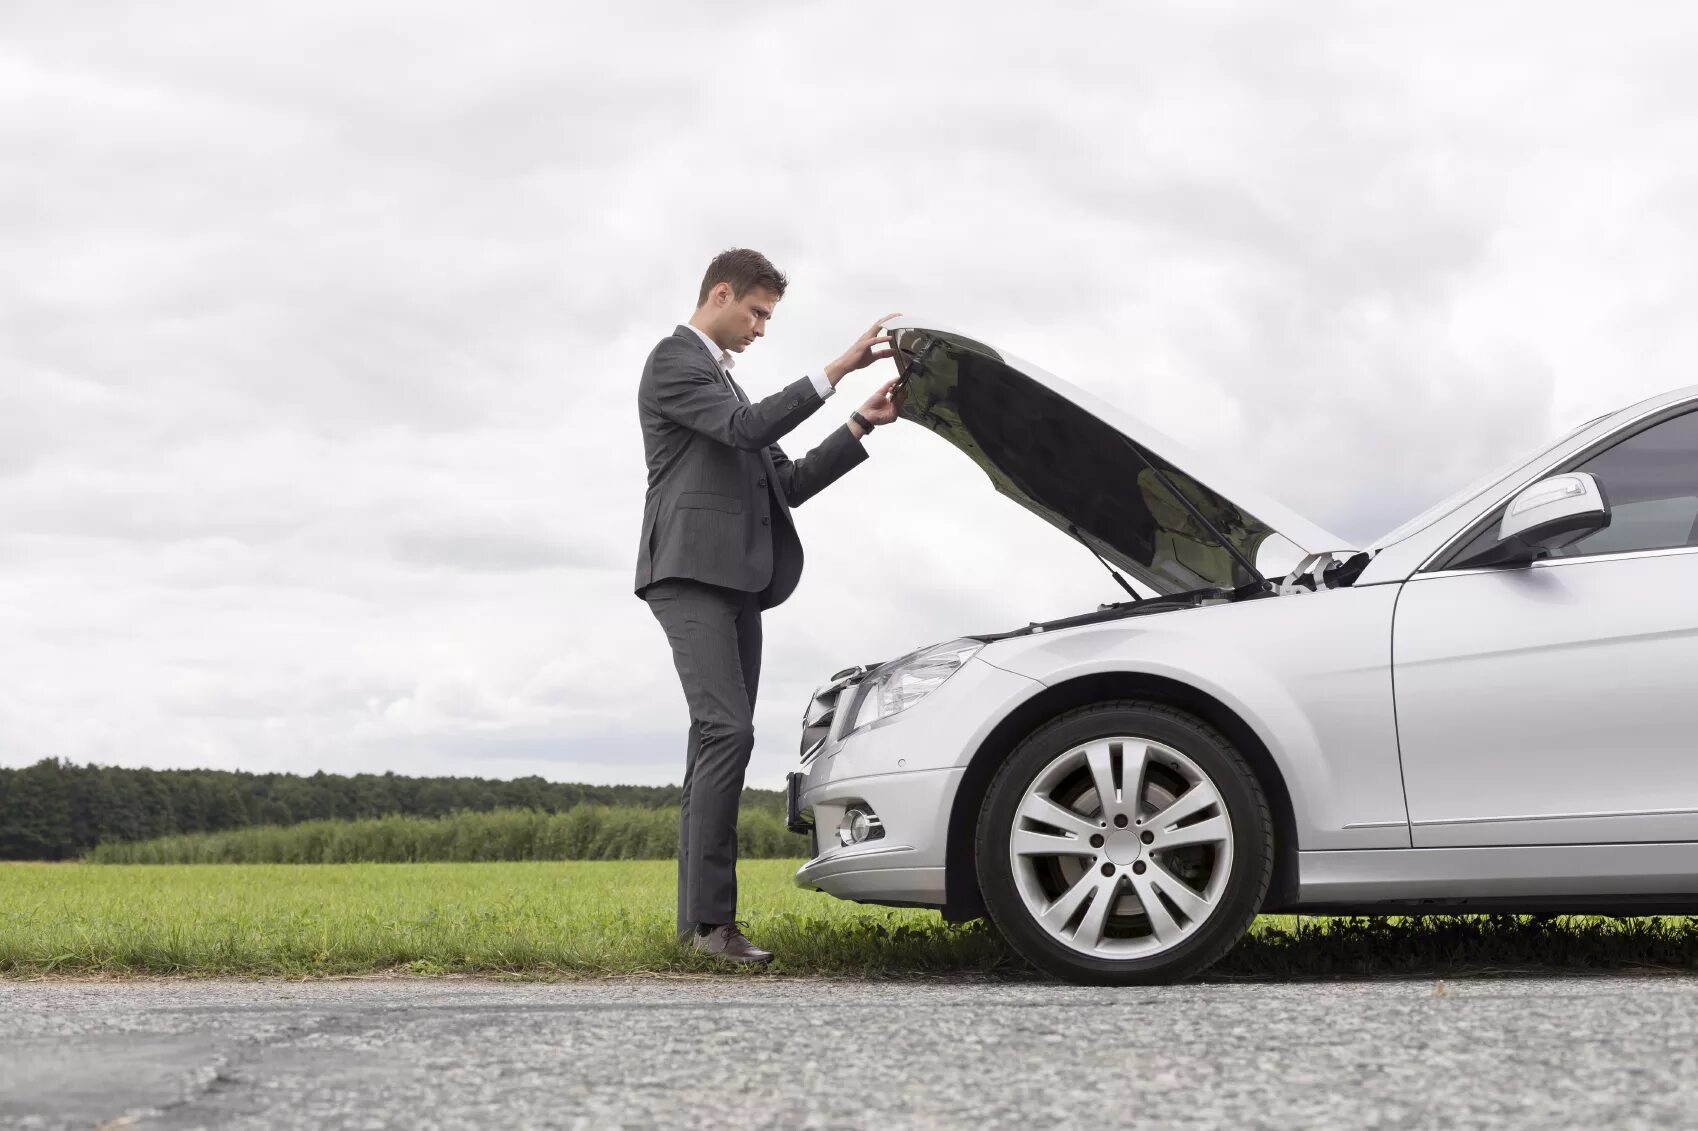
(321, 324)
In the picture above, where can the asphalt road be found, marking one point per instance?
(751, 1052)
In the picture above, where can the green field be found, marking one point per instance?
(560, 917)
(585, 918)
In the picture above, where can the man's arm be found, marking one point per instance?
(690, 390)
(804, 478)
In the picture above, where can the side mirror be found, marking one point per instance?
(1549, 515)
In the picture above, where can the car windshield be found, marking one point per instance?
(1438, 510)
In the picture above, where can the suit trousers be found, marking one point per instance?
(715, 635)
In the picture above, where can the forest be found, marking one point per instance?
(56, 810)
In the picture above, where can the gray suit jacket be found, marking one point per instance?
(720, 488)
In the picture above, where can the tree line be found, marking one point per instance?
(583, 832)
(56, 810)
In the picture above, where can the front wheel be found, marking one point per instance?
(1124, 843)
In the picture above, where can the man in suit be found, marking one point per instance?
(718, 547)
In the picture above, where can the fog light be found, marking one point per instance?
(858, 826)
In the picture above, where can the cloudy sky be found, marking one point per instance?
(320, 323)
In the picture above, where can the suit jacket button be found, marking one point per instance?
(766, 521)
(760, 483)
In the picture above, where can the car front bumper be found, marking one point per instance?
(906, 769)
(906, 865)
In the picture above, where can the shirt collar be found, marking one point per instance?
(722, 356)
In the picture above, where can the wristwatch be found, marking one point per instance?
(866, 425)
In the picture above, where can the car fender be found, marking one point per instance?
(1308, 674)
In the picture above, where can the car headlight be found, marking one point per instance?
(902, 683)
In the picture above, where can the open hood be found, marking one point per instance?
(1144, 502)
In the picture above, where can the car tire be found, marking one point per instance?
(1158, 899)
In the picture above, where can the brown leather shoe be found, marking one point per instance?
(726, 943)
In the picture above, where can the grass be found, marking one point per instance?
(588, 918)
(544, 918)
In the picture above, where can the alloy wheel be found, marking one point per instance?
(1121, 847)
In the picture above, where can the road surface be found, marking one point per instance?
(760, 1051)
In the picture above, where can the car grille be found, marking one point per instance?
(823, 705)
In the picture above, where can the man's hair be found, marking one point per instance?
(743, 269)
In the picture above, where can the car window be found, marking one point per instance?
(1651, 482)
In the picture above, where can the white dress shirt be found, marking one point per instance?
(822, 383)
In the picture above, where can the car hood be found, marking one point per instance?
(1143, 501)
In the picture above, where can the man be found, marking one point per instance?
(718, 547)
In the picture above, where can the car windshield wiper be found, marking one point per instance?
(1189, 599)
(1112, 572)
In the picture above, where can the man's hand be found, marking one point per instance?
(863, 353)
(881, 407)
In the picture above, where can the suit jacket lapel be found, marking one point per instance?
(736, 388)
(686, 332)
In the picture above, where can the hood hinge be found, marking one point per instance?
(1323, 571)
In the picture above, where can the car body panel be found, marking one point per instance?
(1442, 875)
(1553, 704)
(906, 768)
(1171, 518)
(910, 857)
(1309, 674)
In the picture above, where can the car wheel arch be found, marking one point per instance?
(963, 900)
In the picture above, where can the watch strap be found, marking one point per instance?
(866, 425)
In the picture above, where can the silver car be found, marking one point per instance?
(1492, 708)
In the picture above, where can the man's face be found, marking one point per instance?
(743, 318)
